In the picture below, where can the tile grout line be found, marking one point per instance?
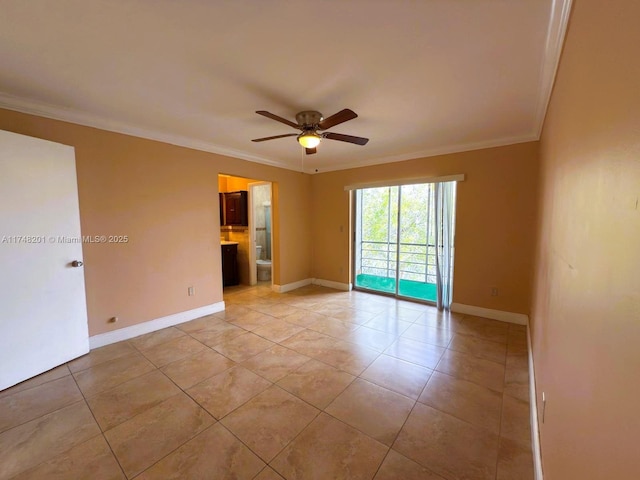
(132, 352)
(86, 402)
(44, 414)
(504, 381)
(216, 421)
(177, 448)
(7, 395)
(320, 411)
(290, 441)
(173, 327)
(403, 425)
(158, 369)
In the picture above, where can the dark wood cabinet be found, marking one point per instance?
(230, 265)
(234, 209)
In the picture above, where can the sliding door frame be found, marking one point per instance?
(353, 224)
(354, 241)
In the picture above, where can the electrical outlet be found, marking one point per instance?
(191, 292)
(494, 291)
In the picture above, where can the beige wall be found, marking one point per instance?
(165, 198)
(586, 309)
(494, 228)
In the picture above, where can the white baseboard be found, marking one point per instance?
(126, 333)
(291, 286)
(308, 281)
(335, 285)
(533, 407)
(510, 317)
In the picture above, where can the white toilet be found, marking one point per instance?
(264, 266)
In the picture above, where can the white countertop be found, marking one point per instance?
(226, 242)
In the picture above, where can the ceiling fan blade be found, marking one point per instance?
(310, 151)
(274, 137)
(345, 138)
(336, 119)
(270, 115)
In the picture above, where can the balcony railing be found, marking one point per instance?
(417, 261)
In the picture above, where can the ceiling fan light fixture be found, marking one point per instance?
(309, 122)
(309, 139)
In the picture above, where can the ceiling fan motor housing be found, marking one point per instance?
(308, 119)
(310, 122)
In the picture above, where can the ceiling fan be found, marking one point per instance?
(310, 123)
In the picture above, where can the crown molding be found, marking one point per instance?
(40, 109)
(556, 33)
(446, 150)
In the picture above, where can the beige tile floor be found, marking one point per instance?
(311, 384)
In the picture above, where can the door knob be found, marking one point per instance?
(76, 263)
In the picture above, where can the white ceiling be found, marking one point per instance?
(425, 77)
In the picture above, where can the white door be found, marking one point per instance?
(43, 311)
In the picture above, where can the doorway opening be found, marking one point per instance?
(246, 235)
(261, 232)
(403, 241)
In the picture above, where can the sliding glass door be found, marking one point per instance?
(416, 267)
(376, 235)
(396, 232)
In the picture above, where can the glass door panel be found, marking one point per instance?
(376, 239)
(394, 250)
(416, 267)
